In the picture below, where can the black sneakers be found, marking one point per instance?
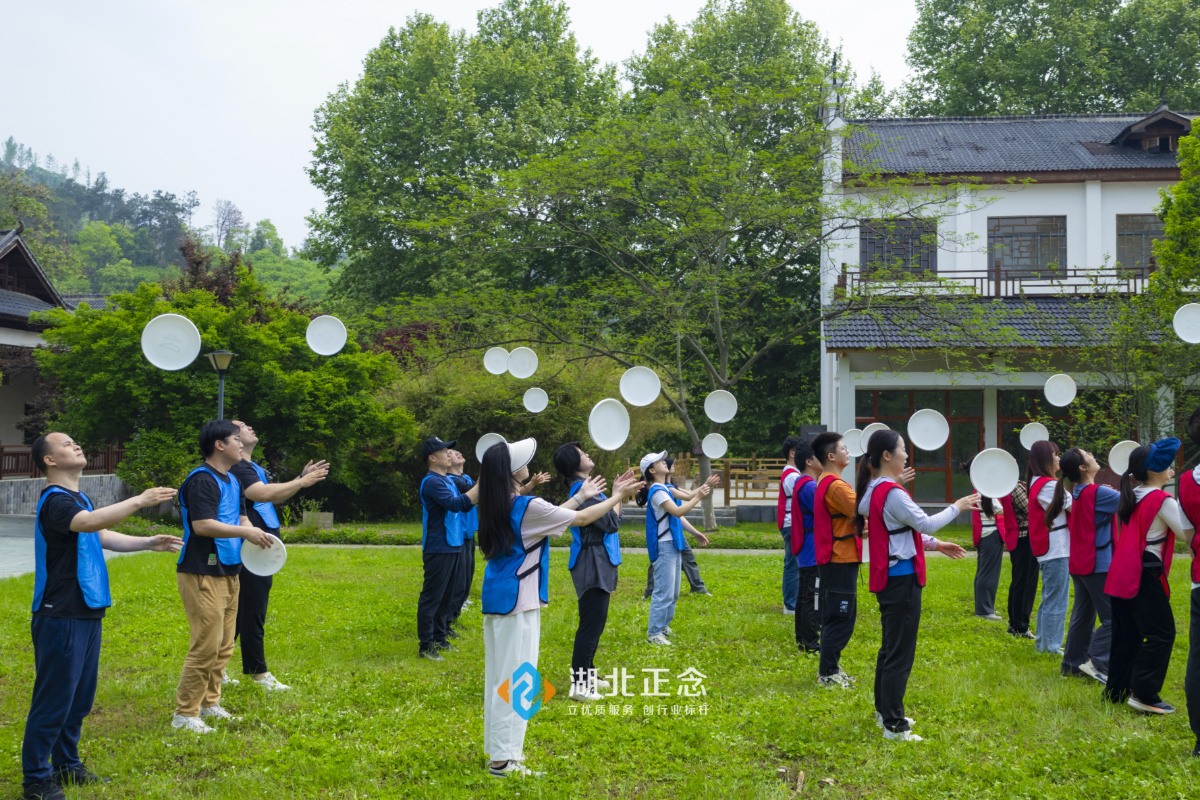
(44, 790)
(80, 776)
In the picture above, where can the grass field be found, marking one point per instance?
(366, 718)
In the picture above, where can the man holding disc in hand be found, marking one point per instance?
(70, 596)
(214, 525)
(255, 590)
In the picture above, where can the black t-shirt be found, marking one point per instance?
(62, 598)
(247, 477)
(202, 496)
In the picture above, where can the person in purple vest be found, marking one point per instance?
(254, 591)
(70, 597)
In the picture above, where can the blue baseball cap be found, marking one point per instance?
(1162, 454)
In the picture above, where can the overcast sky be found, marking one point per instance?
(218, 96)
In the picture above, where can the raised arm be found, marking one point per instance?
(624, 487)
(101, 518)
(281, 492)
(679, 511)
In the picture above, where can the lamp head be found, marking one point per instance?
(220, 359)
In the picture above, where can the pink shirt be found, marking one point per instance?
(541, 520)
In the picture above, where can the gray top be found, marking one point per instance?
(592, 568)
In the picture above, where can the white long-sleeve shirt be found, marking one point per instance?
(1060, 537)
(1169, 516)
(901, 511)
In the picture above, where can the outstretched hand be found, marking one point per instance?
(968, 503)
(537, 480)
(950, 550)
(627, 485)
(713, 479)
(165, 543)
(589, 488)
(314, 473)
(907, 476)
(156, 495)
(703, 490)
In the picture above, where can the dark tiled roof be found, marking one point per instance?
(979, 145)
(15, 304)
(95, 301)
(979, 323)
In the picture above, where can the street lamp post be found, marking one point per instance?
(220, 360)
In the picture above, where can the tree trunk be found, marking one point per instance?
(710, 517)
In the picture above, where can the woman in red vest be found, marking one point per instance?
(1051, 543)
(1091, 524)
(1143, 624)
(993, 530)
(1189, 498)
(899, 533)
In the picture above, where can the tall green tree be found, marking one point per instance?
(434, 102)
(980, 57)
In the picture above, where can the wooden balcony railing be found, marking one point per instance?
(999, 281)
(16, 461)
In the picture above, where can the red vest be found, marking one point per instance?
(798, 514)
(1008, 524)
(781, 506)
(878, 538)
(1189, 501)
(1081, 522)
(1125, 574)
(823, 524)
(1039, 532)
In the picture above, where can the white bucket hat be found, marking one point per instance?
(650, 459)
(521, 453)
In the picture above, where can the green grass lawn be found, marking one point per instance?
(367, 718)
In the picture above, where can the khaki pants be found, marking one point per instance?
(211, 604)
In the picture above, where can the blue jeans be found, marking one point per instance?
(791, 574)
(66, 659)
(1052, 613)
(667, 577)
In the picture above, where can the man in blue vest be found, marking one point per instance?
(70, 595)
(214, 525)
(254, 591)
(442, 512)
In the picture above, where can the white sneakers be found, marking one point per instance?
(216, 712)
(901, 736)
(192, 724)
(225, 679)
(584, 693)
(659, 640)
(271, 683)
(513, 769)
(879, 720)
(600, 683)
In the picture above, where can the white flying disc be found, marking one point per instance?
(868, 432)
(720, 406)
(853, 440)
(994, 473)
(640, 386)
(714, 445)
(608, 424)
(486, 441)
(1187, 323)
(170, 342)
(495, 360)
(1060, 390)
(522, 362)
(263, 561)
(1032, 433)
(326, 335)
(536, 400)
(1118, 457)
(928, 429)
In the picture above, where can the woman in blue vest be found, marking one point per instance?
(664, 542)
(514, 531)
(595, 556)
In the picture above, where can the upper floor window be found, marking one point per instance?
(1027, 246)
(897, 245)
(1136, 234)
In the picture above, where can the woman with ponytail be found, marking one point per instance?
(898, 533)
(1143, 624)
(1090, 523)
(1051, 544)
(993, 530)
(1022, 591)
(514, 531)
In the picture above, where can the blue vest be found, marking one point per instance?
(229, 550)
(265, 509)
(502, 575)
(612, 541)
(90, 569)
(470, 519)
(452, 520)
(675, 524)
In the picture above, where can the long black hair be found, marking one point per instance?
(1069, 462)
(881, 442)
(1137, 470)
(643, 494)
(566, 463)
(496, 487)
